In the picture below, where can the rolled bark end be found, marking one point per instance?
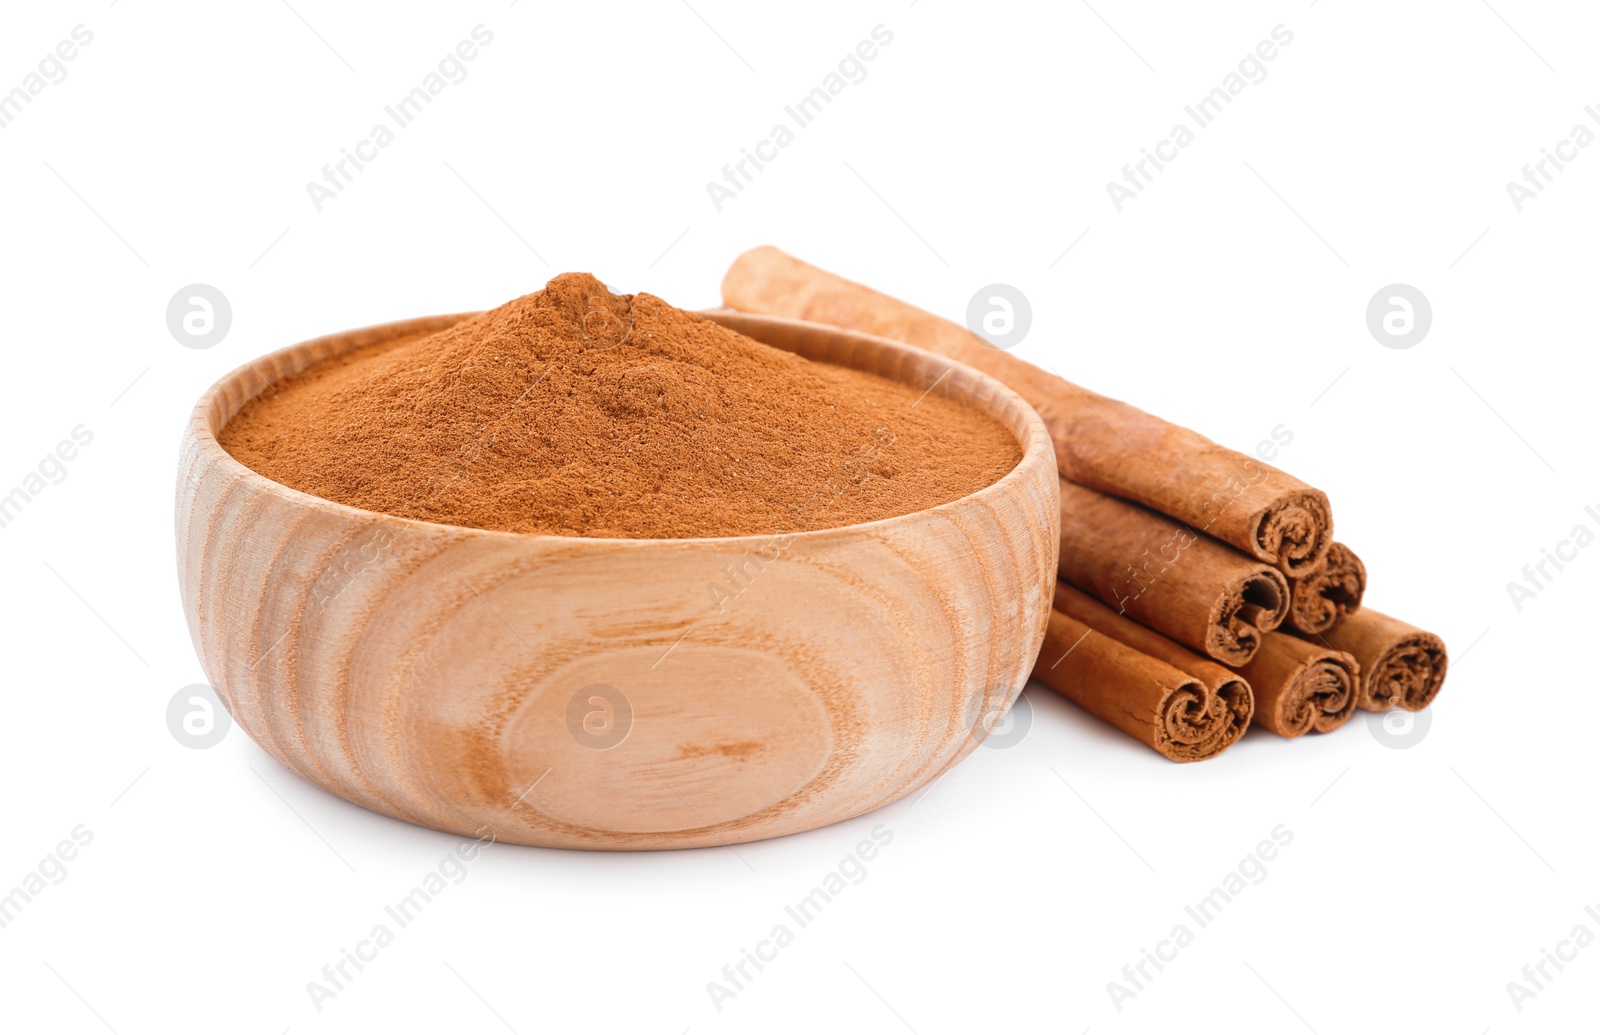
(1407, 676)
(1147, 698)
(1251, 606)
(1401, 666)
(1296, 532)
(1320, 599)
(1301, 687)
(1197, 724)
(1320, 697)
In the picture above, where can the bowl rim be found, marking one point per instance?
(986, 393)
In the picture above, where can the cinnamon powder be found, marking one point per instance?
(575, 411)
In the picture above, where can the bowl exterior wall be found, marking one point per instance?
(589, 693)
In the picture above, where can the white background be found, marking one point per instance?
(1229, 296)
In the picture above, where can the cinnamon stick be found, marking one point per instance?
(1218, 679)
(1144, 697)
(1102, 443)
(1321, 598)
(1301, 686)
(1402, 666)
(1189, 587)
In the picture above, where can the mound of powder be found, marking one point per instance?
(575, 411)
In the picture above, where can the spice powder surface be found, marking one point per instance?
(575, 411)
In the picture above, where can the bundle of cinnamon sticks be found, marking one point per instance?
(1201, 589)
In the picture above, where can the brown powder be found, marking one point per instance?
(574, 411)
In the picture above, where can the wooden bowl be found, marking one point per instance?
(588, 693)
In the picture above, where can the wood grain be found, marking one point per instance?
(593, 693)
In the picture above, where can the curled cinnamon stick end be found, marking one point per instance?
(1219, 679)
(1401, 666)
(1102, 443)
(1146, 698)
(1318, 600)
(1164, 575)
(1295, 531)
(1301, 687)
